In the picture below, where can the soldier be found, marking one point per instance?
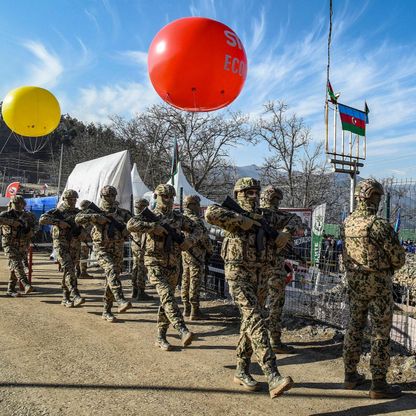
(162, 259)
(193, 265)
(85, 238)
(270, 199)
(246, 257)
(67, 244)
(17, 228)
(108, 235)
(371, 253)
(138, 275)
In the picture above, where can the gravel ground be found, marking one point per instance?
(59, 361)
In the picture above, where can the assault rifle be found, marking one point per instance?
(114, 224)
(172, 236)
(263, 231)
(74, 228)
(23, 228)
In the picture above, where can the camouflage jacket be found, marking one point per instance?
(156, 253)
(24, 232)
(406, 276)
(110, 231)
(239, 246)
(203, 246)
(62, 213)
(370, 245)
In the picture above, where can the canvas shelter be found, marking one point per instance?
(89, 177)
(139, 187)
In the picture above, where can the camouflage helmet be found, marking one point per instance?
(365, 189)
(84, 204)
(108, 190)
(165, 189)
(244, 184)
(271, 192)
(142, 202)
(70, 193)
(17, 198)
(191, 199)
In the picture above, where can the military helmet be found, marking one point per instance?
(191, 199)
(271, 192)
(142, 202)
(365, 189)
(244, 184)
(108, 190)
(84, 204)
(17, 198)
(70, 193)
(165, 189)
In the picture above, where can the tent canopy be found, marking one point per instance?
(180, 181)
(139, 187)
(89, 177)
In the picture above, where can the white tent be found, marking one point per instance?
(139, 187)
(180, 181)
(88, 178)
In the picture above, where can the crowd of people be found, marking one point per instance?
(256, 231)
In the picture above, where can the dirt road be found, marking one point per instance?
(59, 361)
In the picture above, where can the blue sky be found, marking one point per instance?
(92, 55)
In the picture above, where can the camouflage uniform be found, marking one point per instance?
(66, 244)
(162, 262)
(139, 272)
(406, 276)
(371, 253)
(17, 230)
(86, 241)
(193, 265)
(108, 245)
(281, 221)
(247, 274)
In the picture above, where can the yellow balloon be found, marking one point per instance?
(31, 111)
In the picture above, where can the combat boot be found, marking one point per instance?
(77, 299)
(161, 340)
(186, 335)
(280, 348)
(279, 384)
(186, 309)
(66, 301)
(196, 314)
(11, 290)
(380, 389)
(28, 288)
(143, 296)
(243, 377)
(107, 315)
(134, 293)
(353, 380)
(123, 304)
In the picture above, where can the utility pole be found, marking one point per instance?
(60, 169)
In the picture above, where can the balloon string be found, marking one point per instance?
(1, 151)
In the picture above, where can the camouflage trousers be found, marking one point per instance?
(67, 254)
(138, 272)
(379, 308)
(165, 279)
(17, 255)
(276, 288)
(248, 287)
(192, 275)
(85, 252)
(110, 258)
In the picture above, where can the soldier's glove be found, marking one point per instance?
(282, 239)
(159, 230)
(186, 245)
(246, 223)
(100, 219)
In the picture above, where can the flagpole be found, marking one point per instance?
(365, 147)
(326, 126)
(335, 127)
(343, 142)
(358, 146)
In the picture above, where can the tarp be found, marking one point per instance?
(139, 187)
(180, 181)
(88, 178)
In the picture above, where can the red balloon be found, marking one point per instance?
(197, 64)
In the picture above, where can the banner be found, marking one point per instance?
(318, 222)
(12, 189)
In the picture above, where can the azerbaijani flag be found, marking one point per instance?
(175, 160)
(352, 119)
(332, 96)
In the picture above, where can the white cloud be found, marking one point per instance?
(48, 68)
(136, 57)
